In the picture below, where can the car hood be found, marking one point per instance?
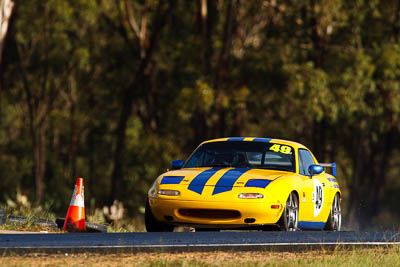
(218, 176)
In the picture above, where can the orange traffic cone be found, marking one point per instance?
(75, 220)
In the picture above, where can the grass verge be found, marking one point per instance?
(339, 257)
(28, 228)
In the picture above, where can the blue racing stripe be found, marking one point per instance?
(311, 225)
(198, 183)
(332, 180)
(266, 140)
(261, 183)
(226, 182)
(236, 139)
(172, 179)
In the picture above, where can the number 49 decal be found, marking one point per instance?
(281, 149)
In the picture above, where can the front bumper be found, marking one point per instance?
(247, 212)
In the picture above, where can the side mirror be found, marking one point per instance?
(177, 164)
(315, 169)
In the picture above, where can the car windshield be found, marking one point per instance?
(243, 154)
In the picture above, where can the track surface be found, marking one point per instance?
(188, 241)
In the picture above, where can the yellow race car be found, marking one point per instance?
(246, 183)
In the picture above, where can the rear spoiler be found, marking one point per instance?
(330, 165)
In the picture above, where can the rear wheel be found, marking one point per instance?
(335, 216)
(152, 225)
(290, 215)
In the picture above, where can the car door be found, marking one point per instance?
(314, 193)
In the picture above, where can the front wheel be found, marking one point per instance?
(335, 216)
(152, 225)
(290, 215)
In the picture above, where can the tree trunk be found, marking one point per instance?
(6, 8)
(357, 150)
(39, 157)
(38, 110)
(221, 70)
(396, 22)
(208, 22)
(129, 95)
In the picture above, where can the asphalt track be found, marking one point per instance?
(192, 241)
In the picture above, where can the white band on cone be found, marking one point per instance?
(77, 199)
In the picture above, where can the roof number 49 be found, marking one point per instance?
(281, 149)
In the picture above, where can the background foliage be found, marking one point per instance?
(112, 91)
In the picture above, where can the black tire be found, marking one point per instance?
(90, 227)
(21, 220)
(16, 220)
(46, 224)
(290, 215)
(152, 225)
(3, 216)
(334, 221)
(95, 228)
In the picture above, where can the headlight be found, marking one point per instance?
(152, 192)
(169, 192)
(153, 189)
(251, 195)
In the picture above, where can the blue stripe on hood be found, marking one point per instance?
(226, 182)
(172, 179)
(198, 183)
(261, 183)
